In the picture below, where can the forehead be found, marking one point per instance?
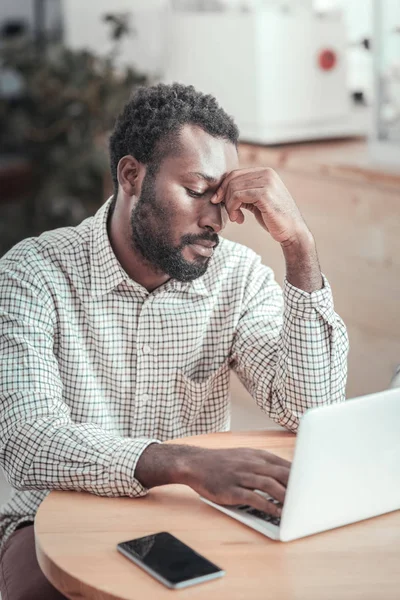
(201, 152)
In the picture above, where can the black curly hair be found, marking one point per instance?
(149, 125)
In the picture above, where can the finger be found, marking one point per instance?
(263, 456)
(257, 501)
(275, 459)
(250, 178)
(238, 177)
(281, 473)
(221, 191)
(238, 217)
(269, 485)
(266, 469)
(237, 199)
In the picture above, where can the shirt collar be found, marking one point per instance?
(106, 271)
(197, 286)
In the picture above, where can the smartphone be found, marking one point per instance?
(169, 560)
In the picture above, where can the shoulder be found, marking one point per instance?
(232, 258)
(58, 251)
(236, 273)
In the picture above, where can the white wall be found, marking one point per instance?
(84, 28)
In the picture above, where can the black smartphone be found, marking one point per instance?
(169, 560)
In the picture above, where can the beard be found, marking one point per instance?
(152, 235)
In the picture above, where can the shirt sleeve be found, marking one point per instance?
(40, 445)
(290, 349)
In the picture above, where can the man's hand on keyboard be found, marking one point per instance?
(231, 477)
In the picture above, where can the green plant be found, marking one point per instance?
(60, 120)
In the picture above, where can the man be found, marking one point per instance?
(120, 333)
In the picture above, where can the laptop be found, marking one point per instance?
(346, 468)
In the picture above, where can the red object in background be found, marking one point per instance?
(327, 60)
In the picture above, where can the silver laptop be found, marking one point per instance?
(346, 468)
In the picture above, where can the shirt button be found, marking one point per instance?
(146, 349)
(145, 397)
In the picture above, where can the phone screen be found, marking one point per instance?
(173, 561)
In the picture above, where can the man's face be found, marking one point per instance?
(173, 224)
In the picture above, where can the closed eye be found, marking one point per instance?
(194, 194)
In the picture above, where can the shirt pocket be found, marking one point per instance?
(207, 396)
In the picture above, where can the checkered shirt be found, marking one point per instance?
(94, 367)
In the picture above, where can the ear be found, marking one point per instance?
(128, 173)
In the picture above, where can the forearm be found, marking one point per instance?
(161, 464)
(225, 476)
(302, 266)
(312, 362)
(301, 361)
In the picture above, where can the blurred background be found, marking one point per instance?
(313, 85)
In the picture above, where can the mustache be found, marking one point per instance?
(189, 238)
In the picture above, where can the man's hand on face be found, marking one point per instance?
(261, 191)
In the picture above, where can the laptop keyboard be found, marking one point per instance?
(260, 514)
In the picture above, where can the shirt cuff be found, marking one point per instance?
(124, 466)
(310, 306)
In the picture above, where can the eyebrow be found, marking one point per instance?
(208, 178)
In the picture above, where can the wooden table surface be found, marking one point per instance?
(76, 537)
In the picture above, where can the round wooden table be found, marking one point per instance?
(77, 533)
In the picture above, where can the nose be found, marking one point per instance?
(214, 216)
